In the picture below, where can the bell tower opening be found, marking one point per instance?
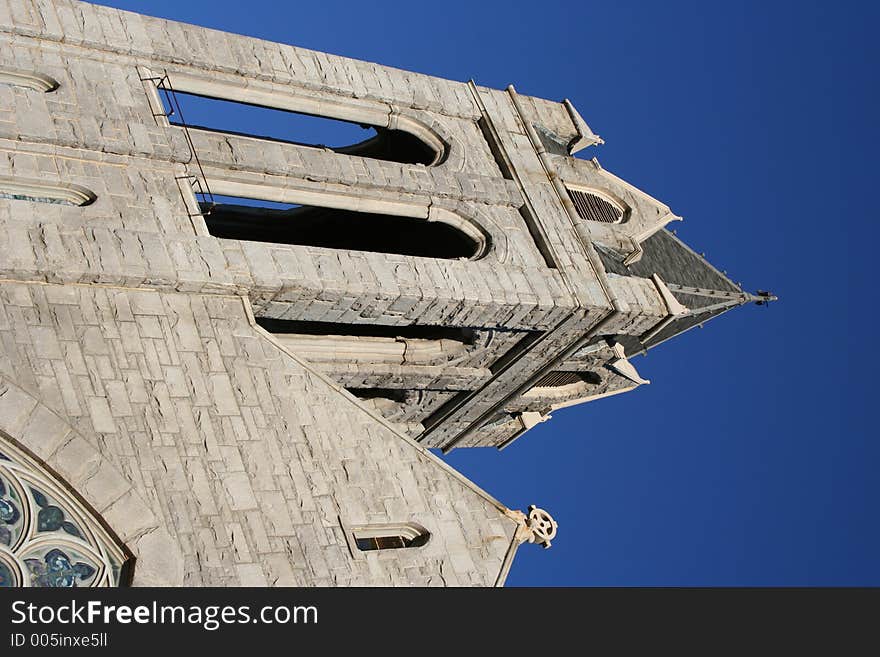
(308, 225)
(243, 119)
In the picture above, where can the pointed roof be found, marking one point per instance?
(705, 291)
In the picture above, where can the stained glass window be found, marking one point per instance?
(48, 538)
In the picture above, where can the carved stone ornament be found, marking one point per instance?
(47, 538)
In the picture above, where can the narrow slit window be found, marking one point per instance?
(592, 207)
(390, 537)
(39, 192)
(307, 225)
(273, 124)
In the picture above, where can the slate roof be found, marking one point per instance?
(668, 256)
(676, 264)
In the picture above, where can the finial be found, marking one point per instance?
(763, 298)
(542, 526)
(537, 527)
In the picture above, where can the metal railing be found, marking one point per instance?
(171, 108)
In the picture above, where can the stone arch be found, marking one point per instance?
(32, 80)
(469, 237)
(473, 222)
(452, 154)
(89, 482)
(387, 119)
(48, 537)
(390, 536)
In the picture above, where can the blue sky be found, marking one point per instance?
(751, 459)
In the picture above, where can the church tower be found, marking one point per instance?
(226, 348)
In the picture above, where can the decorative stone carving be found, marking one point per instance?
(47, 538)
(536, 527)
(542, 526)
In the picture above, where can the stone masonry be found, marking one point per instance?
(237, 407)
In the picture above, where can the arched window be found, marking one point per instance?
(47, 537)
(390, 537)
(28, 80)
(311, 225)
(279, 113)
(40, 192)
(591, 206)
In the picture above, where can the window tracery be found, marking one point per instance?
(47, 538)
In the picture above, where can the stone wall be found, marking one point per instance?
(216, 456)
(131, 361)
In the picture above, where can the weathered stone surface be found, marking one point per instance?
(130, 358)
(245, 476)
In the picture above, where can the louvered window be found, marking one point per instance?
(559, 379)
(593, 207)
